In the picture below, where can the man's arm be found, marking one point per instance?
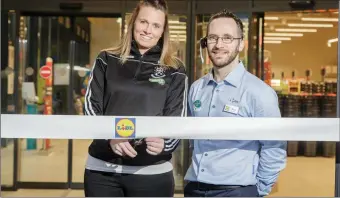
(273, 153)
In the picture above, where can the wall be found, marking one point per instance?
(310, 51)
(105, 33)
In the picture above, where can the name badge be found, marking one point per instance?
(231, 109)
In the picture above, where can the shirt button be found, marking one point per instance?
(202, 170)
(213, 106)
(206, 154)
(217, 90)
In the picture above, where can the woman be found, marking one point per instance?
(140, 77)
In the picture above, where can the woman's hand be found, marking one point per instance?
(122, 147)
(154, 145)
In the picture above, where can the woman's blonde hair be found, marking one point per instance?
(123, 49)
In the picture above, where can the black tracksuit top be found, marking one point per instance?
(132, 89)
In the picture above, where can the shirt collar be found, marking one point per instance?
(233, 78)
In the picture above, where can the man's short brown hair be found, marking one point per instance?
(227, 14)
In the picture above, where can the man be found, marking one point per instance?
(230, 167)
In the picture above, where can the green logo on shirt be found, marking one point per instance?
(197, 103)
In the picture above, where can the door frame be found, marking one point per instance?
(191, 9)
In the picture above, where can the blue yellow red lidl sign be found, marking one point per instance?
(125, 127)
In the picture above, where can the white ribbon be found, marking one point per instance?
(222, 128)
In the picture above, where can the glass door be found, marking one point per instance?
(46, 56)
(8, 146)
(255, 55)
(39, 49)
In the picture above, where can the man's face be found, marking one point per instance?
(225, 49)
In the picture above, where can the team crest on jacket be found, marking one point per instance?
(158, 75)
(158, 72)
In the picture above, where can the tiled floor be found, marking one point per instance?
(36, 165)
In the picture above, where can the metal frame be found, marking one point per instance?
(102, 8)
(337, 152)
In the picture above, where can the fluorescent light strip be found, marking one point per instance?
(333, 40)
(271, 18)
(277, 38)
(180, 36)
(295, 30)
(177, 22)
(178, 27)
(284, 34)
(320, 19)
(330, 41)
(273, 42)
(178, 32)
(309, 25)
(173, 39)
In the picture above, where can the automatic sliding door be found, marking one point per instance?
(41, 161)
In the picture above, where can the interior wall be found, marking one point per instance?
(105, 33)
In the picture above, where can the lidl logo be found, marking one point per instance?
(125, 128)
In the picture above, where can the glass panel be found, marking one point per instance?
(178, 38)
(95, 34)
(301, 65)
(39, 53)
(200, 68)
(7, 102)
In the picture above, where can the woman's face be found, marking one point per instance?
(148, 27)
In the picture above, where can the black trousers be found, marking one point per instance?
(104, 184)
(194, 190)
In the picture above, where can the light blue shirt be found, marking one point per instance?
(234, 162)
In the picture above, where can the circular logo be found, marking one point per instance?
(125, 127)
(197, 103)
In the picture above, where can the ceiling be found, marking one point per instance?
(287, 26)
(279, 26)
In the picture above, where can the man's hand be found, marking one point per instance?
(122, 147)
(154, 145)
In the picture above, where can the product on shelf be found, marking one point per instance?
(306, 98)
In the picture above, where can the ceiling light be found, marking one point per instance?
(309, 25)
(295, 30)
(320, 19)
(273, 42)
(180, 36)
(277, 38)
(176, 22)
(178, 27)
(283, 34)
(330, 41)
(271, 18)
(178, 32)
(176, 39)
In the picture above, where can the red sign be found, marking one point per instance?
(45, 72)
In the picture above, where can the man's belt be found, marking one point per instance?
(204, 186)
